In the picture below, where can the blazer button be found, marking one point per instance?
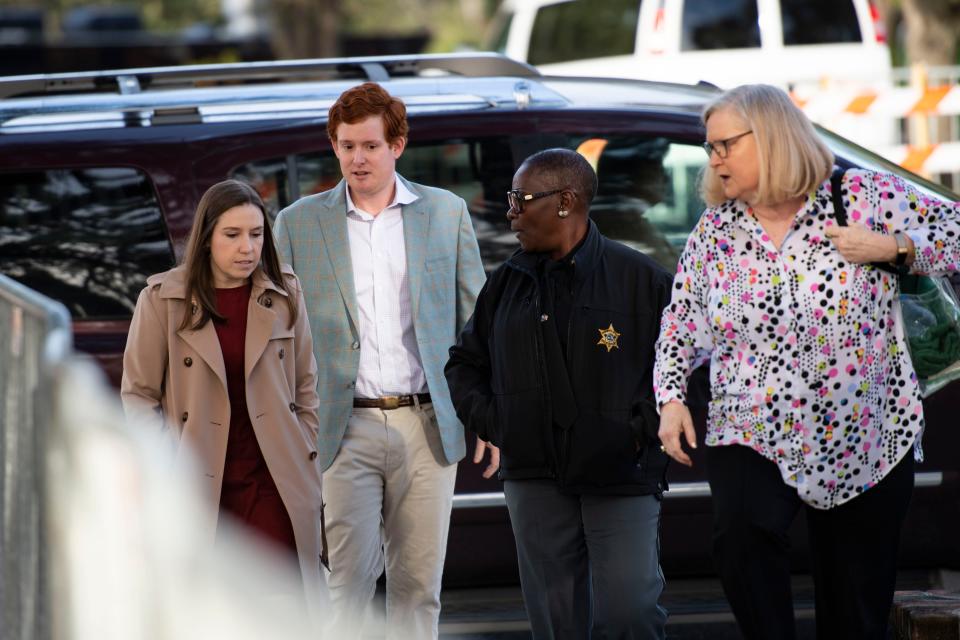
(268, 302)
(355, 345)
(188, 361)
(293, 407)
(281, 353)
(313, 455)
(184, 417)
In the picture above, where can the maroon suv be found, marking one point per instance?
(100, 174)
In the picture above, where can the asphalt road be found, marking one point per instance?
(696, 607)
(698, 610)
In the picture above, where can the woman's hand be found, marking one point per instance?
(494, 457)
(858, 244)
(675, 419)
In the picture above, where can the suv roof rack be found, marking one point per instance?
(375, 68)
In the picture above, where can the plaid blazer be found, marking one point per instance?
(445, 275)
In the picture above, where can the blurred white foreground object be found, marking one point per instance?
(127, 558)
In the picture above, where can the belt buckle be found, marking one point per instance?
(390, 402)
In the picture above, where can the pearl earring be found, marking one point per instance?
(563, 213)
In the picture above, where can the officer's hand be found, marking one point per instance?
(675, 420)
(494, 457)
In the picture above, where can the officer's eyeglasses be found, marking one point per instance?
(517, 197)
(722, 147)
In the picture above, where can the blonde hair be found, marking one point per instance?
(793, 159)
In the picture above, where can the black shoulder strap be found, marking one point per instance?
(836, 184)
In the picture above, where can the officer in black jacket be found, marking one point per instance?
(554, 371)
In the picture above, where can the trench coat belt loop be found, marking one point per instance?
(392, 402)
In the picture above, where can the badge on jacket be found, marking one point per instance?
(609, 338)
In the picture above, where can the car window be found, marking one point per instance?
(479, 170)
(852, 153)
(819, 21)
(583, 29)
(271, 179)
(709, 24)
(316, 172)
(647, 193)
(86, 237)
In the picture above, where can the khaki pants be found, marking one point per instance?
(388, 497)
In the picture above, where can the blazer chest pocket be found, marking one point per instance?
(438, 263)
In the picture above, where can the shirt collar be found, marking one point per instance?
(582, 258)
(813, 203)
(401, 196)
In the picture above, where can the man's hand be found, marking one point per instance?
(858, 244)
(494, 457)
(675, 419)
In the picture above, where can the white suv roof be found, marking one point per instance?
(725, 42)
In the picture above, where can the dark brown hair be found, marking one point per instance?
(363, 101)
(218, 199)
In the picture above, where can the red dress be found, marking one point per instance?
(249, 493)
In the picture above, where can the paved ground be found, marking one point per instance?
(698, 610)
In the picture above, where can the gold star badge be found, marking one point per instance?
(609, 337)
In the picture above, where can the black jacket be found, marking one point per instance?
(498, 377)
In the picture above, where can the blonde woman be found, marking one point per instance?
(815, 401)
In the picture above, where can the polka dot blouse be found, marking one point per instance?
(809, 364)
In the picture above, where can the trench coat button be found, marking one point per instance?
(268, 302)
(293, 407)
(188, 361)
(281, 353)
(355, 345)
(313, 455)
(184, 417)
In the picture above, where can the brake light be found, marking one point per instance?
(658, 38)
(879, 29)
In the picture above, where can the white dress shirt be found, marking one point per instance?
(389, 357)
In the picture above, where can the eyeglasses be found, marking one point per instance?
(517, 197)
(722, 147)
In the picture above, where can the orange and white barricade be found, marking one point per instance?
(914, 126)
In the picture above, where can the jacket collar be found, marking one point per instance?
(403, 195)
(584, 260)
(337, 199)
(173, 283)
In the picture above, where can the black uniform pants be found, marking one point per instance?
(853, 548)
(589, 565)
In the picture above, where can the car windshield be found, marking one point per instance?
(867, 159)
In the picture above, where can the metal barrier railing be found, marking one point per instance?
(35, 341)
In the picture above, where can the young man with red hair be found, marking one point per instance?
(390, 271)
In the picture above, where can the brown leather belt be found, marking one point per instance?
(391, 402)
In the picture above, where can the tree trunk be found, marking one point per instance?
(305, 28)
(932, 27)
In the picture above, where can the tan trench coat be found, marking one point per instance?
(175, 380)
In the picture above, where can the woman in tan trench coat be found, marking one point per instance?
(192, 365)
